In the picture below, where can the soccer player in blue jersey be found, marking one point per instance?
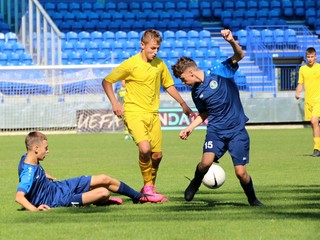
(217, 99)
(39, 191)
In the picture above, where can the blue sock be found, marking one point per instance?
(124, 189)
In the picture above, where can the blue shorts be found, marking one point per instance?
(75, 188)
(238, 145)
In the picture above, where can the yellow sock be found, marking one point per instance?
(316, 141)
(145, 168)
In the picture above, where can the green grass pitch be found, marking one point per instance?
(285, 176)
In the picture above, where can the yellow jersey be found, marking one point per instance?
(310, 78)
(142, 81)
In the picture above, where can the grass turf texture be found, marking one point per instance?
(285, 176)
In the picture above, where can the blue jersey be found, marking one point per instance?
(219, 96)
(39, 189)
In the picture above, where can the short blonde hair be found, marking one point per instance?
(151, 35)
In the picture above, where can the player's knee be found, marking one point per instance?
(157, 156)
(242, 174)
(105, 179)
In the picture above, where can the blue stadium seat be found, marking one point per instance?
(242, 37)
(217, 9)
(57, 17)
(166, 45)
(78, 26)
(181, 6)
(93, 17)
(72, 37)
(211, 54)
(275, 5)
(193, 7)
(228, 5)
(240, 5)
(88, 7)
(120, 35)
(146, 6)
(163, 55)
(122, 6)
(80, 47)
(267, 37)
(263, 4)
(50, 7)
(7, 48)
(193, 35)
(226, 18)
(287, 8)
(97, 7)
(3, 59)
(133, 36)
(87, 58)
(311, 16)
(105, 46)
(252, 5)
(173, 54)
(202, 45)
(310, 4)
(169, 6)
(14, 59)
(75, 7)
(279, 38)
(67, 46)
(110, 6)
(274, 14)
(108, 36)
(205, 9)
(96, 36)
(92, 46)
(238, 15)
(165, 16)
(290, 38)
(18, 47)
(134, 7)
(158, 6)
(205, 35)
(178, 45)
(25, 59)
(250, 15)
(84, 36)
(298, 6)
(117, 46)
(75, 57)
(169, 35)
(62, 7)
(262, 15)
(181, 35)
(11, 37)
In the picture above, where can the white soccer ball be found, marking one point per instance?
(215, 177)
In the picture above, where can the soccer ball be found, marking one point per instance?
(215, 177)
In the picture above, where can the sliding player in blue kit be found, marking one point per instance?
(38, 191)
(216, 97)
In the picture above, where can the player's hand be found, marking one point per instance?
(227, 35)
(297, 96)
(187, 111)
(184, 134)
(43, 207)
(118, 110)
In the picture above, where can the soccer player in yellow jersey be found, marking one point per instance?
(309, 79)
(144, 74)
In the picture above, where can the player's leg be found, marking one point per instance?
(315, 129)
(116, 186)
(239, 150)
(201, 170)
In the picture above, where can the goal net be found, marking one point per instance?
(55, 98)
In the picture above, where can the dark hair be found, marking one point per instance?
(151, 35)
(181, 65)
(311, 50)
(34, 138)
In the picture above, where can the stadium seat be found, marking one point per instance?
(133, 36)
(205, 35)
(181, 35)
(108, 36)
(84, 36)
(105, 46)
(122, 6)
(279, 38)
(169, 6)
(217, 8)
(193, 7)
(146, 6)
(18, 47)
(166, 45)
(238, 15)
(25, 59)
(262, 15)
(252, 5)
(88, 7)
(96, 36)
(226, 18)
(211, 54)
(163, 55)
(81, 17)
(240, 5)
(50, 7)
(205, 9)
(87, 58)
(120, 35)
(311, 16)
(3, 59)
(193, 35)
(158, 6)
(117, 46)
(290, 38)
(263, 4)
(75, 57)
(275, 5)
(228, 6)
(62, 7)
(134, 6)
(169, 35)
(181, 6)
(72, 37)
(274, 14)
(13, 59)
(93, 17)
(110, 6)
(97, 7)
(242, 37)
(75, 7)
(92, 46)
(254, 36)
(67, 46)
(165, 16)
(298, 6)
(267, 37)
(80, 47)
(287, 8)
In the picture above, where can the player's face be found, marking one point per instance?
(149, 50)
(311, 58)
(187, 77)
(42, 150)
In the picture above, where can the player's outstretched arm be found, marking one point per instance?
(238, 53)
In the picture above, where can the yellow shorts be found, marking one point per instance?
(311, 110)
(145, 126)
